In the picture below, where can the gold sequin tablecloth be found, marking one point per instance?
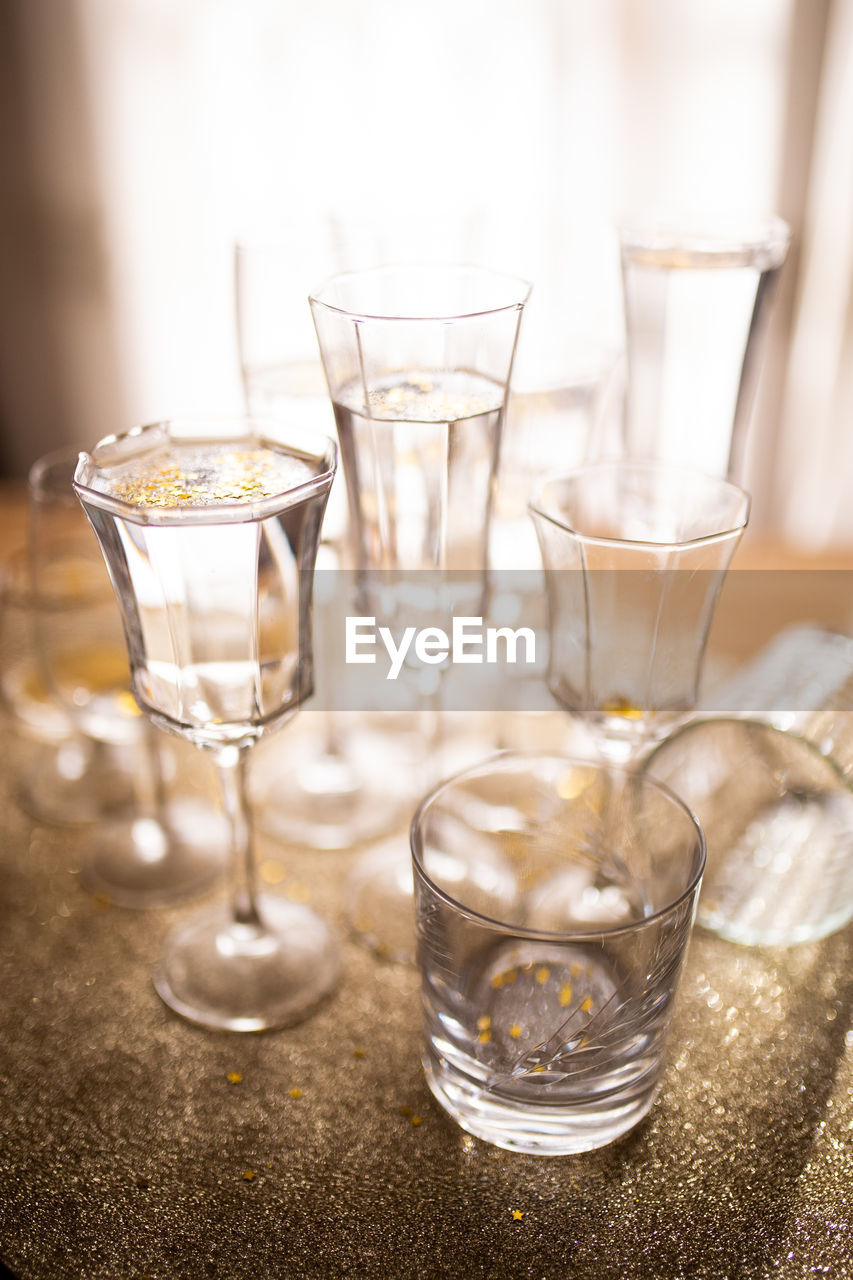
(135, 1145)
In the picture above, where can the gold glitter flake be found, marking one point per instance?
(200, 475)
(248, 1175)
(234, 1077)
(517, 1215)
(296, 1093)
(271, 871)
(574, 782)
(624, 708)
(516, 1031)
(298, 891)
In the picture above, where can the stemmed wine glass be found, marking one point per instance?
(61, 775)
(418, 361)
(154, 850)
(635, 554)
(210, 532)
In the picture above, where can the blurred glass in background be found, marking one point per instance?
(142, 138)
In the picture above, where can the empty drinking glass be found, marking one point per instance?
(554, 901)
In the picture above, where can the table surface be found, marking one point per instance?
(129, 1149)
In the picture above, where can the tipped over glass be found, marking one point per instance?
(210, 530)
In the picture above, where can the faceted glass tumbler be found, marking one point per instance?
(555, 899)
(635, 555)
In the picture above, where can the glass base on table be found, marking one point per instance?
(337, 779)
(242, 977)
(141, 863)
(69, 783)
(379, 899)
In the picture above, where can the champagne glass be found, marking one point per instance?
(152, 853)
(209, 530)
(635, 555)
(314, 787)
(418, 361)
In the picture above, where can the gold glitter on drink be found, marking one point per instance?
(207, 476)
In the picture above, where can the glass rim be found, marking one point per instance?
(536, 506)
(241, 428)
(66, 455)
(755, 723)
(493, 764)
(522, 286)
(734, 239)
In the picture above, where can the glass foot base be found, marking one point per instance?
(236, 977)
(67, 784)
(325, 806)
(322, 791)
(141, 864)
(379, 897)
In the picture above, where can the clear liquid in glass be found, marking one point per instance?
(420, 460)
(211, 600)
(694, 336)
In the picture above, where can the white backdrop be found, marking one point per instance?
(530, 126)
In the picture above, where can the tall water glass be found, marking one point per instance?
(418, 362)
(555, 900)
(697, 302)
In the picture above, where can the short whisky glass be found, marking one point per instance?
(555, 900)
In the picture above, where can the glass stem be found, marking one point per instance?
(149, 786)
(231, 768)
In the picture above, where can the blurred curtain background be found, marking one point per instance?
(140, 137)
